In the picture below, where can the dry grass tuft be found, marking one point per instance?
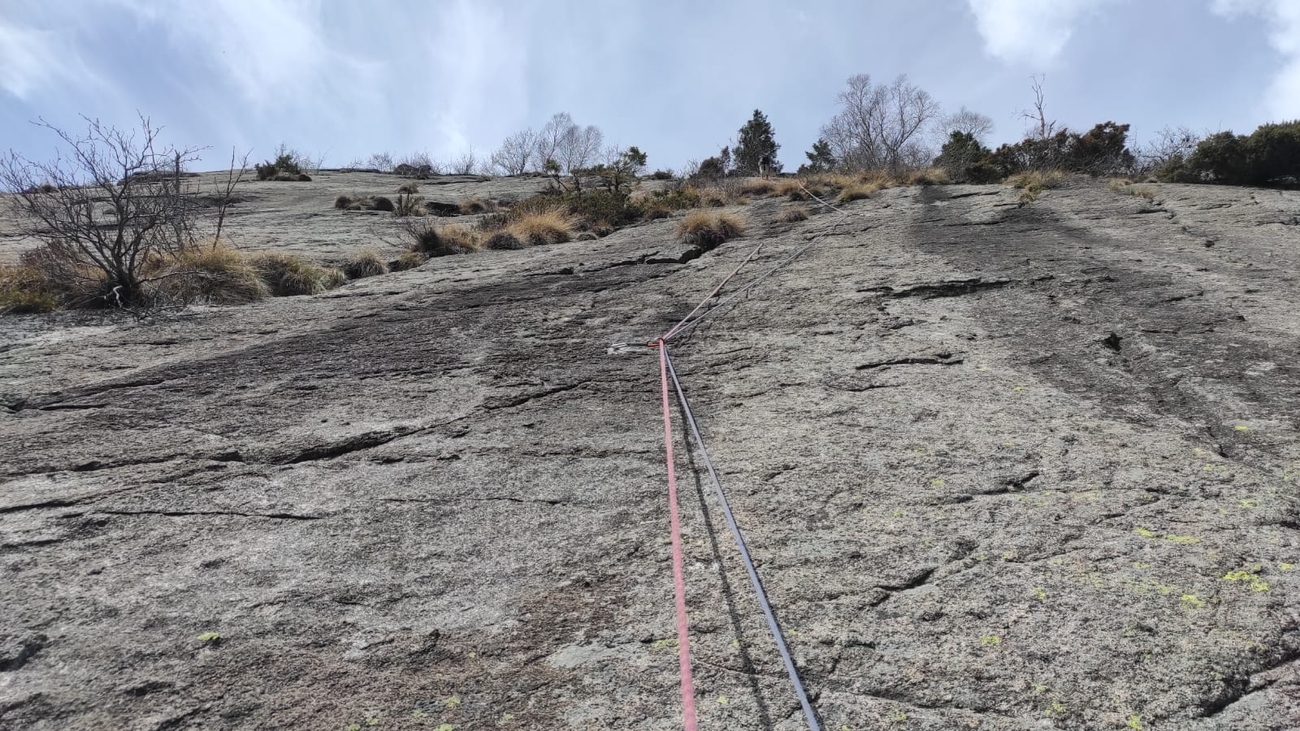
(345, 201)
(477, 205)
(857, 190)
(791, 189)
(410, 187)
(757, 187)
(289, 276)
(929, 176)
(708, 229)
(1033, 182)
(219, 275)
(433, 240)
(25, 290)
(794, 215)
(503, 241)
(408, 260)
(1036, 180)
(543, 227)
(365, 264)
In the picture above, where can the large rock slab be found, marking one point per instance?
(1000, 467)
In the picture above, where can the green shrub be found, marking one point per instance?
(1269, 155)
(382, 203)
(966, 160)
(284, 165)
(1099, 151)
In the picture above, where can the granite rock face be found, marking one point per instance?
(1000, 467)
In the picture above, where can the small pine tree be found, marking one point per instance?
(820, 158)
(755, 153)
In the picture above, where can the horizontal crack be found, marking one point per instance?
(188, 513)
(936, 359)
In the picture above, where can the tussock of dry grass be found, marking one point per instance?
(503, 240)
(365, 264)
(757, 187)
(929, 176)
(410, 187)
(543, 227)
(25, 290)
(708, 229)
(434, 240)
(289, 276)
(408, 260)
(791, 189)
(857, 190)
(793, 215)
(219, 275)
(1036, 180)
(477, 205)
(1033, 182)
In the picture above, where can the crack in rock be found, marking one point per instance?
(943, 359)
(188, 513)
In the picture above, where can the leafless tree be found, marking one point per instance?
(466, 164)
(1040, 127)
(968, 122)
(882, 127)
(115, 205)
(1171, 146)
(550, 139)
(579, 147)
(517, 154)
(225, 192)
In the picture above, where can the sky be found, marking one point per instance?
(677, 78)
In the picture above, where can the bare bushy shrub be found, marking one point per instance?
(116, 204)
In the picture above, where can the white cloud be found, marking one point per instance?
(275, 54)
(481, 52)
(32, 60)
(1028, 31)
(1282, 99)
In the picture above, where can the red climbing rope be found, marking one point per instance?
(679, 571)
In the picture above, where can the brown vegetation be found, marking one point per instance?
(289, 276)
(708, 229)
(365, 264)
(794, 215)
